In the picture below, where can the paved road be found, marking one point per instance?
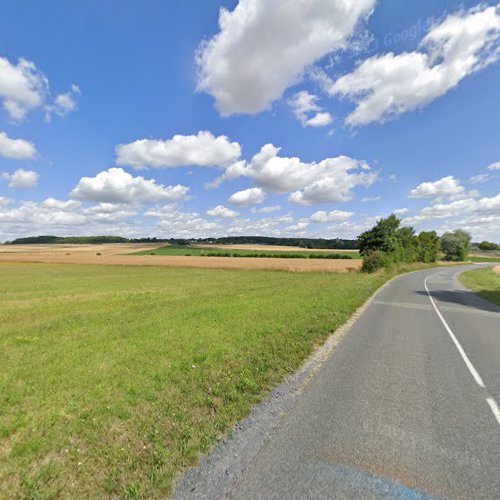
(404, 408)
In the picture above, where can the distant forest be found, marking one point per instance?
(334, 244)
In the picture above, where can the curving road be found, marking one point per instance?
(406, 407)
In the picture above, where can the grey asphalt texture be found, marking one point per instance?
(394, 412)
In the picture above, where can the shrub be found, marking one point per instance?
(374, 261)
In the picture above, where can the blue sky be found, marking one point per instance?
(370, 107)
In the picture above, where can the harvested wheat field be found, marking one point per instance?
(119, 254)
(275, 248)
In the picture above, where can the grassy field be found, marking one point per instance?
(477, 258)
(231, 252)
(483, 281)
(113, 379)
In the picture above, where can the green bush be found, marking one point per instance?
(374, 261)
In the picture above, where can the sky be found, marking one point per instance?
(200, 118)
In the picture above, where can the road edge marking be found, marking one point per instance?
(479, 381)
(467, 361)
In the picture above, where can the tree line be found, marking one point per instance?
(390, 243)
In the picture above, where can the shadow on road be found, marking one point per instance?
(466, 298)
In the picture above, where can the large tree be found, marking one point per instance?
(456, 245)
(429, 245)
(382, 237)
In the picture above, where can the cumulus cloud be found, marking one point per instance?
(307, 111)
(117, 186)
(329, 181)
(447, 187)
(18, 149)
(335, 216)
(23, 88)
(252, 196)
(202, 150)
(474, 212)
(385, 86)
(63, 103)
(494, 166)
(4, 201)
(222, 212)
(176, 224)
(64, 217)
(264, 46)
(21, 179)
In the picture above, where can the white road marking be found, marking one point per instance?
(494, 408)
(479, 381)
(470, 366)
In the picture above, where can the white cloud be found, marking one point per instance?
(265, 210)
(368, 199)
(18, 149)
(222, 212)
(335, 216)
(401, 211)
(307, 111)
(23, 88)
(320, 120)
(70, 217)
(63, 103)
(494, 166)
(5, 201)
(177, 224)
(251, 196)
(388, 85)
(299, 227)
(202, 150)
(482, 207)
(329, 181)
(117, 186)
(447, 187)
(264, 46)
(479, 179)
(21, 179)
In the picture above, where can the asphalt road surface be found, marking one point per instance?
(406, 407)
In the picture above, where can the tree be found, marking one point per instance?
(485, 246)
(429, 245)
(456, 245)
(382, 237)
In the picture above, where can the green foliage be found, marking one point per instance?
(456, 245)
(215, 252)
(487, 246)
(429, 246)
(382, 237)
(374, 261)
(399, 244)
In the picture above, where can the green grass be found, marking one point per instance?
(114, 379)
(483, 259)
(483, 281)
(231, 252)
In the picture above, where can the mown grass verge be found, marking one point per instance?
(114, 379)
(209, 252)
(485, 282)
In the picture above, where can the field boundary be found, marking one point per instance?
(219, 470)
